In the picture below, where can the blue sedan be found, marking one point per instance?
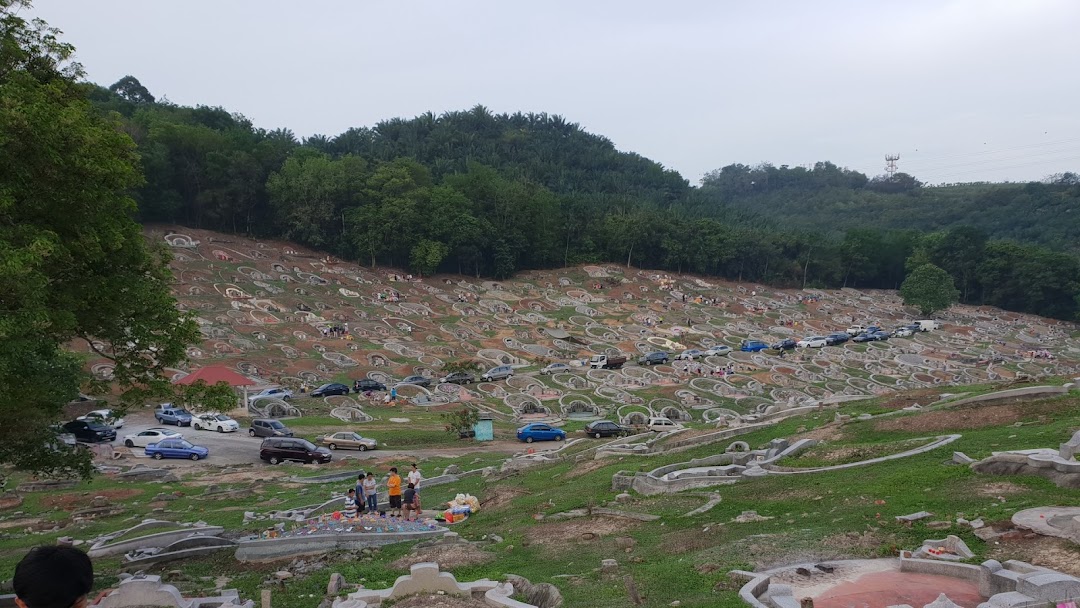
(176, 448)
(540, 432)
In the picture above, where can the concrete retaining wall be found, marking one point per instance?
(274, 548)
(1014, 393)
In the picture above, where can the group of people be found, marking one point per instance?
(335, 331)
(403, 502)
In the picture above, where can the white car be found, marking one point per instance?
(555, 368)
(690, 354)
(106, 417)
(275, 392)
(215, 422)
(661, 425)
(813, 342)
(718, 350)
(903, 332)
(151, 435)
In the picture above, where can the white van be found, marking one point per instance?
(661, 424)
(928, 324)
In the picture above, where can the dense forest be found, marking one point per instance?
(492, 194)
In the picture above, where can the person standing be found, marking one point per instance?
(53, 577)
(411, 499)
(393, 490)
(360, 496)
(370, 494)
(415, 477)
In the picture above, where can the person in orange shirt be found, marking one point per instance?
(393, 490)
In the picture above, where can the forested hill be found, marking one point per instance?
(492, 194)
(1047, 213)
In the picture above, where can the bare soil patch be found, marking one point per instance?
(831, 432)
(1056, 553)
(692, 539)
(973, 417)
(70, 502)
(999, 488)
(460, 554)
(501, 496)
(583, 468)
(429, 600)
(574, 531)
(923, 397)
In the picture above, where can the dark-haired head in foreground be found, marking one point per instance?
(53, 577)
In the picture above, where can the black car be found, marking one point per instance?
(788, 344)
(423, 381)
(334, 388)
(605, 428)
(881, 335)
(368, 384)
(864, 338)
(459, 378)
(837, 338)
(279, 449)
(653, 358)
(90, 432)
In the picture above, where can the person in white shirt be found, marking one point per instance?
(415, 476)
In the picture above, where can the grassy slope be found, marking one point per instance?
(814, 516)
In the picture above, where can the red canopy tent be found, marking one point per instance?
(212, 374)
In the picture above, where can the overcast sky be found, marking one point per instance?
(962, 90)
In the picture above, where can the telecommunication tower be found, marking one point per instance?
(890, 164)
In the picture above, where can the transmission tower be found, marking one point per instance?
(890, 164)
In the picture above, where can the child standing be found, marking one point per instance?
(350, 504)
(370, 494)
(393, 490)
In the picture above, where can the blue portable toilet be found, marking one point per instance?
(484, 429)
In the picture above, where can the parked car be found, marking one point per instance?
(151, 435)
(662, 424)
(367, 384)
(279, 449)
(837, 338)
(902, 332)
(215, 422)
(423, 381)
(605, 428)
(863, 338)
(176, 448)
(348, 439)
(653, 358)
(271, 393)
(498, 373)
(722, 349)
(855, 330)
(459, 378)
(881, 336)
(330, 389)
(752, 346)
(813, 342)
(690, 354)
(90, 432)
(555, 368)
(874, 336)
(106, 417)
(786, 344)
(268, 427)
(872, 329)
(540, 432)
(167, 413)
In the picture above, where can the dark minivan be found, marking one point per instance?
(653, 359)
(279, 449)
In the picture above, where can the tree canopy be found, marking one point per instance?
(74, 265)
(930, 289)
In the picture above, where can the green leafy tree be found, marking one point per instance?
(463, 365)
(930, 289)
(426, 256)
(130, 89)
(74, 265)
(202, 397)
(459, 422)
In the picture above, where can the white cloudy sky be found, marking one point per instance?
(963, 90)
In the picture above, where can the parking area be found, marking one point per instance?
(225, 448)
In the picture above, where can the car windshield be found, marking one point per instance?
(276, 425)
(221, 417)
(182, 412)
(181, 444)
(307, 445)
(323, 387)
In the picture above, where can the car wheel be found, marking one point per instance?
(560, 437)
(129, 443)
(528, 440)
(157, 456)
(333, 446)
(196, 427)
(274, 460)
(597, 435)
(220, 429)
(251, 432)
(194, 456)
(363, 448)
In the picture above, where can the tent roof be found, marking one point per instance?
(212, 374)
